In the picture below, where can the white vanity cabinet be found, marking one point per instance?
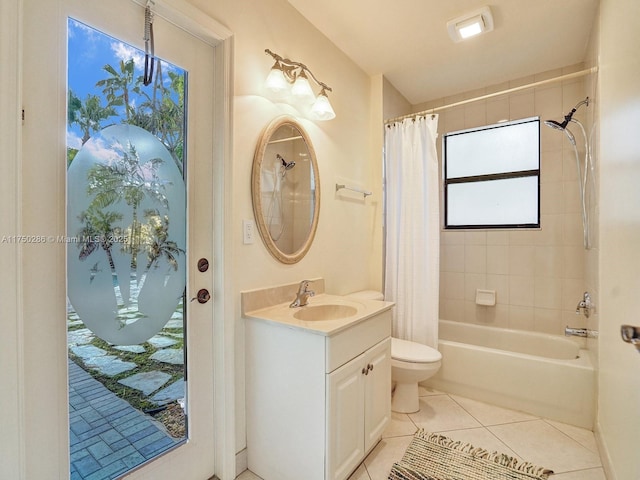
(358, 408)
(317, 401)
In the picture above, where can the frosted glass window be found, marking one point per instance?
(491, 176)
(496, 202)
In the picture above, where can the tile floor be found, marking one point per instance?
(569, 451)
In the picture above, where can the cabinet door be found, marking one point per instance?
(345, 418)
(377, 397)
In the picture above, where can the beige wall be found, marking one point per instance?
(538, 275)
(395, 104)
(346, 250)
(618, 422)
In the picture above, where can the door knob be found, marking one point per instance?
(203, 265)
(203, 295)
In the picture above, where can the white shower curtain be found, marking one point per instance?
(412, 242)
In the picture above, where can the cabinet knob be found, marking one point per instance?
(365, 370)
(370, 366)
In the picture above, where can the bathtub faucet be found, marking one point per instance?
(580, 332)
(302, 297)
(575, 332)
(585, 305)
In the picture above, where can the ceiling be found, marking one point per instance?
(407, 40)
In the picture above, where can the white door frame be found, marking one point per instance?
(28, 396)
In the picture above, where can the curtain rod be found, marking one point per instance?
(568, 76)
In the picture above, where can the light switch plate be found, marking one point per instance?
(248, 232)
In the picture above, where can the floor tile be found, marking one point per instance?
(488, 414)
(423, 391)
(360, 474)
(440, 413)
(584, 437)
(540, 443)
(570, 451)
(383, 456)
(481, 437)
(591, 474)
(247, 475)
(400, 425)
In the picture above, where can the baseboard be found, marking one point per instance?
(607, 465)
(241, 461)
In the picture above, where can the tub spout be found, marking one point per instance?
(580, 332)
(575, 332)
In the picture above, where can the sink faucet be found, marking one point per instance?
(302, 297)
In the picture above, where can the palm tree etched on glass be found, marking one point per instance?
(124, 188)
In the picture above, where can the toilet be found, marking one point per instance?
(411, 363)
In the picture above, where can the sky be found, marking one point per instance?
(88, 52)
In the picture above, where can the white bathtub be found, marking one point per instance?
(544, 375)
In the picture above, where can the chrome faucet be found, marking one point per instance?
(580, 332)
(302, 297)
(575, 332)
(585, 305)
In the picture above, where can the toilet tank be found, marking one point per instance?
(367, 295)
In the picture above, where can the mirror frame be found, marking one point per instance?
(256, 193)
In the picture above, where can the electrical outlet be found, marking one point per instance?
(248, 232)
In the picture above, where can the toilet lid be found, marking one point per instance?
(407, 351)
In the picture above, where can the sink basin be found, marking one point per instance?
(325, 312)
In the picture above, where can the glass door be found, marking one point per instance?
(126, 254)
(129, 201)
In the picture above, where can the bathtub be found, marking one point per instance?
(544, 375)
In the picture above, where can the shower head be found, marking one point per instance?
(567, 117)
(285, 164)
(556, 125)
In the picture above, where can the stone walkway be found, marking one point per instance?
(107, 435)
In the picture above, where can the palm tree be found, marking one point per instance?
(161, 114)
(157, 243)
(132, 182)
(116, 87)
(98, 231)
(90, 115)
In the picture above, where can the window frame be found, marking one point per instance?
(489, 177)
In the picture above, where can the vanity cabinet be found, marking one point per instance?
(358, 406)
(316, 402)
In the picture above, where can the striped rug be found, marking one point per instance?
(435, 457)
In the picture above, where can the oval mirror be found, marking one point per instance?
(285, 188)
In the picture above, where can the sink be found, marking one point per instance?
(325, 312)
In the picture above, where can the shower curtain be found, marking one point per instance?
(412, 239)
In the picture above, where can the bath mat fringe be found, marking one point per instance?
(432, 456)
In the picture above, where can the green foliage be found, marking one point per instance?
(158, 108)
(116, 87)
(71, 154)
(158, 243)
(132, 182)
(145, 364)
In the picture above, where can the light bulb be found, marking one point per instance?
(301, 90)
(322, 109)
(275, 82)
(470, 27)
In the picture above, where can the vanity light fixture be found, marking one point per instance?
(470, 25)
(292, 78)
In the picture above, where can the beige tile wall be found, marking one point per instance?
(538, 275)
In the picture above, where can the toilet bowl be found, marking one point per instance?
(411, 363)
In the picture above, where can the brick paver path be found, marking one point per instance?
(107, 435)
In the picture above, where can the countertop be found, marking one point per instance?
(284, 315)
